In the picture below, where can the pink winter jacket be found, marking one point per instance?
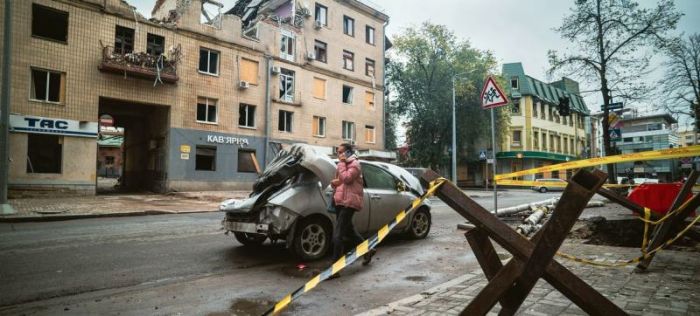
(349, 192)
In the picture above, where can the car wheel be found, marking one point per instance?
(543, 190)
(420, 224)
(250, 239)
(312, 239)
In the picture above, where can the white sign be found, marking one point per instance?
(227, 140)
(489, 161)
(482, 155)
(47, 125)
(184, 156)
(492, 95)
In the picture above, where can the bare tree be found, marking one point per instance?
(610, 38)
(681, 82)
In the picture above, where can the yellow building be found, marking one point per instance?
(538, 135)
(204, 99)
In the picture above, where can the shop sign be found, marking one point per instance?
(185, 149)
(184, 156)
(46, 125)
(227, 140)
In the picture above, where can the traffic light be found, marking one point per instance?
(564, 108)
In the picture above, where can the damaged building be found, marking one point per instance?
(205, 96)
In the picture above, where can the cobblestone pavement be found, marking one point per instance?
(671, 286)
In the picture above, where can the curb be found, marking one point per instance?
(66, 217)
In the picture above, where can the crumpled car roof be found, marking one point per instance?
(294, 160)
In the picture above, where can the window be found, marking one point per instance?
(534, 110)
(287, 85)
(549, 114)
(123, 40)
(566, 145)
(247, 162)
(47, 86)
(208, 61)
(542, 113)
(320, 88)
(515, 109)
(369, 35)
(514, 83)
(348, 25)
(321, 51)
(369, 100)
(206, 110)
(348, 130)
(369, 67)
(348, 60)
(249, 71)
(109, 161)
(347, 94)
(246, 115)
(205, 159)
(287, 46)
(322, 14)
(44, 153)
(516, 138)
(155, 44)
(319, 126)
(377, 178)
(536, 140)
(49, 23)
(285, 121)
(370, 136)
(573, 148)
(627, 140)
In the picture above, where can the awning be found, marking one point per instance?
(533, 155)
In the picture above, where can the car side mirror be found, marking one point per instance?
(400, 186)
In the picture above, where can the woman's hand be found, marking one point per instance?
(335, 182)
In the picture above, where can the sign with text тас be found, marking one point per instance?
(492, 95)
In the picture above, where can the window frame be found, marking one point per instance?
(244, 151)
(348, 26)
(369, 62)
(317, 51)
(373, 130)
(196, 155)
(121, 50)
(325, 88)
(284, 53)
(286, 121)
(287, 96)
(56, 11)
(317, 9)
(351, 55)
(370, 106)
(517, 83)
(350, 128)
(249, 118)
(61, 88)
(60, 141)
(519, 141)
(350, 94)
(319, 126)
(209, 53)
(206, 111)
(371, 40)
(152, 45)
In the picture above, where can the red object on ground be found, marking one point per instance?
(657, 196)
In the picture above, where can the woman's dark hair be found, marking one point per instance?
(346, 146)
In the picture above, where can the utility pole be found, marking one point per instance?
(5, 208)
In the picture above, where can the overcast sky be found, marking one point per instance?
(514, 30)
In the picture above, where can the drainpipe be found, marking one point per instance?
(384, 96)
(268, 130)
(5, 208)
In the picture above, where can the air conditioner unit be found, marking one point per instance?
(243, 85)
(275, 70)
(310, 56)
(318, 24)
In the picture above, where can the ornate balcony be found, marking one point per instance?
(141, 65)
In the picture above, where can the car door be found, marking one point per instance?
(361, 219)
(385, 201)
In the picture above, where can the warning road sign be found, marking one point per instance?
(492, 95)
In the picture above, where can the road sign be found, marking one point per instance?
(492, 95)
(482, 155)
(615, 135)
(612, 106)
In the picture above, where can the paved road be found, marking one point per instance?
(184, 264)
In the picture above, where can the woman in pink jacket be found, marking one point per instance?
(348, 198)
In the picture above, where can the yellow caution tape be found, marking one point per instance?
(530, 183)
(360, 250)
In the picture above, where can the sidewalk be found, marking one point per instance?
(671, 286)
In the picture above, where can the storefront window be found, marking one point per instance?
(206, 158)
(44, 153)
(246, 161)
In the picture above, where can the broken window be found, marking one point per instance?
(246, 161)
(369, 67)
(205, 159)
(44, 153)
(246, 116)
(370, 135)
(123, 40)
(322, 14)
(206, 110)
(208, 61)
(369, 35)
(287, 46)
(348, 130)
(284, 123)
(49, 23)
(321, 51)
(155, 44)
(348, 60)
(211, 13)
(348, 25)
(251, 32)
(287, 85)
(347, 94)
(319, 126)
(47, 86)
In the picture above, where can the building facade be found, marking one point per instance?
(538, 135)
(647, 133)
(204, 99)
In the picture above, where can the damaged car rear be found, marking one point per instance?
(289, 202)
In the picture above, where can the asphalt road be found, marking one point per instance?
(185, 265)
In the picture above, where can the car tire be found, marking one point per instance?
(543, 190)
(251, 240)
(419, 227)
(312, 239)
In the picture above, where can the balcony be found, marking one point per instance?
(140, 65)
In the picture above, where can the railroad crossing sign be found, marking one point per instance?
(492, 95)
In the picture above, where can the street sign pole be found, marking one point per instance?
(492, 96)
(5, 207)
(493, 145)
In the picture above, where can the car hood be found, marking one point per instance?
(294, 160)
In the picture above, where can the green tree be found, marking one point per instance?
(424, 61)
(610, 38)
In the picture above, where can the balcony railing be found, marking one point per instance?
(141, 65)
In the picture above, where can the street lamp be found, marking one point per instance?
(454, 130)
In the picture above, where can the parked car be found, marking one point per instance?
(549, 184)
(289, 202)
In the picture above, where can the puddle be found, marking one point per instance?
(248, 307)
(416, 278)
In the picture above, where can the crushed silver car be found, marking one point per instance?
(289, 202)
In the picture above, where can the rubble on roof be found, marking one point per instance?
(279, 11)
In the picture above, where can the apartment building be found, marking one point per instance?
(538, 135)
(646, 133)
(205, 97)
